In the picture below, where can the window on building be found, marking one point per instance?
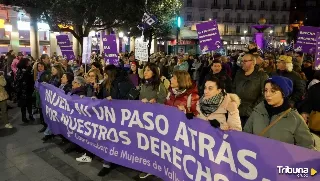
(215, 15)
(251, 3)
(250, 17)
(202, 16)
(227, 2)
(238, 29)
(249, 29)
(273, 17)
(189, 16)
(284, 5)
(189, 3)
(227, 16)
(215, 3)
(239, 16)
(261, 15)
(239, 2)
(262, 4)
(226, 28)
(284, 29)
(284, 17)
(273, 5)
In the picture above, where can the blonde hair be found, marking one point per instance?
(289, 67)
(183, 79)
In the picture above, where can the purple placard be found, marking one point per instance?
(209, 37)
(306, 40)
(65, 47)
(317, 56)
(110, 49)
(159, 139)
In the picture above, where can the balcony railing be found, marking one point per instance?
(251, 20)
(251, 7)
(274, 8)
(239, 20)
(240, 7)
(227, 6)
(215, 6)
(263, 8)
(228, 20)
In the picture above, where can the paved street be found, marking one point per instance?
(23, 157)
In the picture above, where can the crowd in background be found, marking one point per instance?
(272, 94)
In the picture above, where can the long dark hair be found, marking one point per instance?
(59, 69)
(155, 82)
(111, 71)
(220, 84)
(23, 63)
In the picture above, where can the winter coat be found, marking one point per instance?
(313, 82)
(80, 91)
(66, 88)
(24, 86)
(222, 76)
(135, 79)
(3, 93)
(55, 81)
(290, 129)
(148, 92)
(119, 89)
(298, 85)
(312, 102)
(249, 89)
(229, 106)
(10, 59)
(182, 99)
(183, 66)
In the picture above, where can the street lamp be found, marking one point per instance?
(245, 38)
(271, 31)
(121, 35)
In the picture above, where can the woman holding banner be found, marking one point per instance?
(219, 107)
(183, 93)
(274, 117)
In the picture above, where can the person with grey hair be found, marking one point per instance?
(249, 85)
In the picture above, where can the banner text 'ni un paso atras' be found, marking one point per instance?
(158, 139)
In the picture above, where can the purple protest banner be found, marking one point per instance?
(317, 56)
(306, 40)
(65, 46)
(159, 139)
(209, 37)
(110, 49)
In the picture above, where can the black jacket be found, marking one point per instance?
(81, 91)
(120, 87)
(298, 85)
(24, 85)
(312, 102)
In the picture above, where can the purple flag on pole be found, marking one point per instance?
(306, 40)
(209, 36)
(159, 139)
(65, 47)
(110, 49)
(317, 57)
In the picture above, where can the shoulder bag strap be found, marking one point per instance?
(274, 122)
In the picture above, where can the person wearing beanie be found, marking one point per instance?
(273, 118)
(284, 68)
(307, 68)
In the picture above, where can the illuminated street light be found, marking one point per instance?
(271, 31)
(121, 34)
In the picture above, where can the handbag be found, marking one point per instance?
(314, 121)
(133, 94)
(263, 132)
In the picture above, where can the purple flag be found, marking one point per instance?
(65, 47)
(110, 49)
(306, 40)
(159, 139)
(317, 57)
(209, 36)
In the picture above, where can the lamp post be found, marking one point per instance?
(178, 32)
(245, 38)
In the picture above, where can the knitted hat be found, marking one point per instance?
(286, 59)
(284, 83)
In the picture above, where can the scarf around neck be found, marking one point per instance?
(209, 106)
(177, 92)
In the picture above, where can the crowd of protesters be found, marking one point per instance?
(273, 95)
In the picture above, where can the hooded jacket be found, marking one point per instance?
(228, 106)
(182, 99)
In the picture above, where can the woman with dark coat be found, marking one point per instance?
(24, 86)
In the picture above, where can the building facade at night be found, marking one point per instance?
(235, 18)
